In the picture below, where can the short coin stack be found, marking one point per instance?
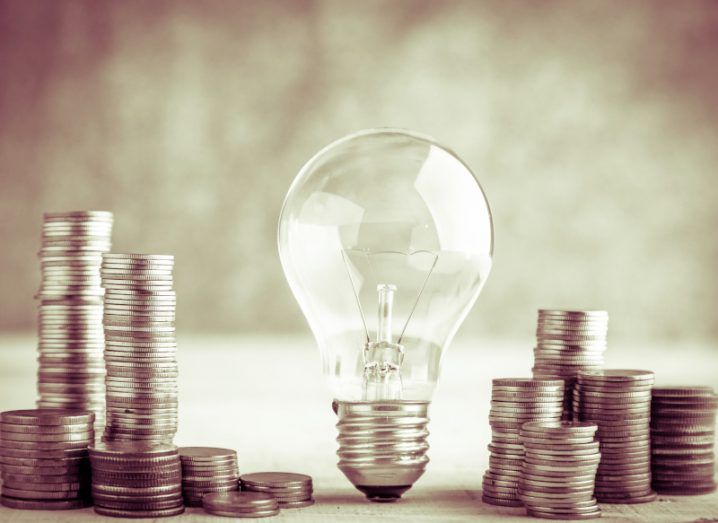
(71, 369)
(44, 458)
(557, 478)
(515, 401)
(289, 489)
(568, 342)
(241, 504)
(619, 402)
(682, 440)
(207, 470)
(140, 347)
(136, 480)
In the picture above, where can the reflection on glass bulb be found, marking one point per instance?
(385, 239)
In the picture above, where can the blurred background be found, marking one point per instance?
(592, 126)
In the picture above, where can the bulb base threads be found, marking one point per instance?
(382, 445)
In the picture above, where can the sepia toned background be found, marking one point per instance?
(593, 127)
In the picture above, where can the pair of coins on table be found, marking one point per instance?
(207, 470)
(43, 457)
(263, 494)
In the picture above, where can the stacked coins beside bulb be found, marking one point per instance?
(568, 342)
(682, 439)
(619, 402)
(291, 490)
(207, 470)
(141, 351)
(136, 479)
(515, 401)
(44, 458)
(71, 369)
(557, 478)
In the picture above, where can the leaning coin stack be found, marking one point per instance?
(515, 401)
(140, 347)
(289, 489)
(568, 342)
(136, 480)
(206, 470)
(71, 369)
(241, 504)
(44, 458)
(557, 479)
(619, 402)
(682, 440)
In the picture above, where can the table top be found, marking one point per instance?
(265, 397)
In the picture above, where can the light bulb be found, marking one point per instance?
(385, 239)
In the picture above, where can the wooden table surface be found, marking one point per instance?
(266, 398)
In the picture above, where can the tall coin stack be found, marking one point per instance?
(44, 458)
(682, 440)
(515, 401)
(71, 369)
(557, 479)
(619, 402)
(140, 347)
(568, 342)
(206, 470)
(136, 480)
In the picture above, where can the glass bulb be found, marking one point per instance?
(386, 240)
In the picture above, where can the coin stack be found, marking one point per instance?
(44, 458)
(515, 401)
(568, 342)
(136, 480)
(71, 369)
(682, 440)
(619, 402)
(206, 470)
(289, 489)
(240, 504)
(557, 479)
(140, 348)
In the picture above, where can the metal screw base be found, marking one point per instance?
(382, 445)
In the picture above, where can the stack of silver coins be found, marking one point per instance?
(206, 470)
(619, 402)
(515, 401)
(568, 342)
(241, 504)
(71, 369)
(291, 490)
(140, 347)
(44, 458)
(136, 480)
(557, 479)
(682, 440)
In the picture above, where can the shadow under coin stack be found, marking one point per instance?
(568, 342)
(682, 440)
(515, 401)
(557, 479)
(136, 480)
(207, 470)
(71, 369)
(619, 402)
(140, 348)
(289, 489)
(241, 504)
(44, 458)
